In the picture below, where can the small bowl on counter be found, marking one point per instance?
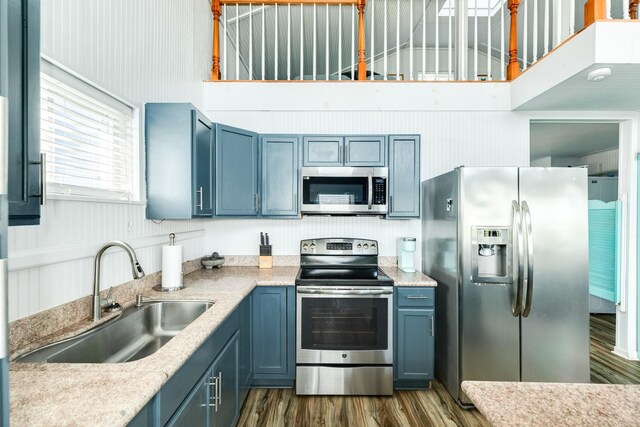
(212, 261)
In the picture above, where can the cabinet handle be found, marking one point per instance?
(339, 156)
(219, 393)
(390, 204)
(416, 297)
(200, 205)
(213, 383)
(257, 202)
(43, 178)
(294, 207)
(433, 331)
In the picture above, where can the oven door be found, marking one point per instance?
(344, 190)
(340, 325)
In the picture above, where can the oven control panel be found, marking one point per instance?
(338, 246)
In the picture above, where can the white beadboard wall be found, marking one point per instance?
(493, 137)
(141, 51)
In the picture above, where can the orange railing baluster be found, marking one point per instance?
(215, 56)
(362, 65)
(633, 9)
(513, 68)
(594, 10)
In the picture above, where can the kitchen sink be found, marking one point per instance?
(138, 332)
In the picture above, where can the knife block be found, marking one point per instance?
(266, 260)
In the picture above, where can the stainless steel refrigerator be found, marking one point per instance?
(508, 248)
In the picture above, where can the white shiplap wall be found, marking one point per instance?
(489, 136)
(141, 51)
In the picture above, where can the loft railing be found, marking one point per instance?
(395, 39)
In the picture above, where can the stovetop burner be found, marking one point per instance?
(340, 262)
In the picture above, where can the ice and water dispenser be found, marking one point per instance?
(491, 255)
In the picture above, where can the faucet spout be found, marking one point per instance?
(137, 271)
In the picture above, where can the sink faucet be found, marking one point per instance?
(138, 273)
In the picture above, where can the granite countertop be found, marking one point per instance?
(111, 394)
(516, 404)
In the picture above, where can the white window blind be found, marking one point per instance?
(88, 138)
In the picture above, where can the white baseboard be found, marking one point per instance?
(20, 260)
(629, 355)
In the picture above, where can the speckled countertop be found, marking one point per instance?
(111, 394)
(547, 404)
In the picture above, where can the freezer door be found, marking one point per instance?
(489, 333)
(555, 320)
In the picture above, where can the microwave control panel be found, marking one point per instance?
(379, 191)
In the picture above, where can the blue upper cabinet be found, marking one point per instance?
(404, 176)
(24, 162)
(280, 165)
(324, 150)
(365, 150)
(236, 172)
(179, 158)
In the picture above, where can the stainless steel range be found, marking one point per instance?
(344, 319)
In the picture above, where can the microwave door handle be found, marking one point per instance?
(370, 182)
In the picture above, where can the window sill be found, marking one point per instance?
(94, 199)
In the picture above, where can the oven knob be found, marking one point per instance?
(359, 246)
(305, 247)
(366, 246)
(344, 355)
(373, 245)
(313, 245)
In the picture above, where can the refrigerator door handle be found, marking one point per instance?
(526, 213)
(516, 306)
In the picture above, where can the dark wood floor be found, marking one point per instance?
(434, 407)
(606, 367)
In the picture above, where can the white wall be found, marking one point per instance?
(600, 162)
(141, 51)
(450, 138)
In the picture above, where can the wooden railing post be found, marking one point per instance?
(216, 11)
(362, 65)
(594, 10)
(513, 68)
(633, 9)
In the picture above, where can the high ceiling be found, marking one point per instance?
(571, 139)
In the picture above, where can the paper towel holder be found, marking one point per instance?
(159, 287)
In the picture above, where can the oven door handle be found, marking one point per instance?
(343, 292)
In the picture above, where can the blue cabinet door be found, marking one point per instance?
(194, 411)
(280, 165)
(274, 335)
(323, 150)
(365, 150)
(225, 393)
(23, 49)
(414, 344)
(236, 172)
(179, 158)
(404, 176)
(245, 365)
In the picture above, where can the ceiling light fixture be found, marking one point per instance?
(599, 74)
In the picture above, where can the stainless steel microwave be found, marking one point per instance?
(344, 190)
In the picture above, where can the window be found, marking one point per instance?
(481, 7)
(87, 136)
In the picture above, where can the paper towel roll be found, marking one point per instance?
(171, 266)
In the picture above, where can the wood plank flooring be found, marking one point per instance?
(281, 407)
(434, 407)
(606, 367)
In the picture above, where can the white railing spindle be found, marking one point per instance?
(535, 30)
(237, 42)
(608, 6)
(326, 50)
(250, 41)
(262, 57)
(288, 41)
(315, 41)
(572, 18)
(546, 26)
(450, 49)
(503, 71)
(386, 35)
(275, 44)
(625, 9)
(410, 40)
(302, 42)
(397, 39)
(225, 59)
(339, 42)
(424, 38)
(558, 32)
(475, 42)
(489, 42)
(372, 43)
(525, 36)
(353, 38)
(437, 46)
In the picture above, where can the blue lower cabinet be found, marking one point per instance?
(245, 354)
(224, 407)
(273, 316)
(194, 411)
(414, 338)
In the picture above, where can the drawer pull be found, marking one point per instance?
(416, 297)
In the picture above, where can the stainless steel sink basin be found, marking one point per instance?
(138, 332)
